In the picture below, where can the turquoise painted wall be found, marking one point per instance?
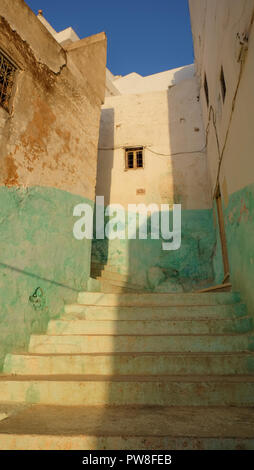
(42, 266)
(218, 266)
(188, 268)
(239, 225)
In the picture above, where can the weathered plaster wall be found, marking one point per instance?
(145, 262)
(40, 258)
(168, 124)
(111, 90)
(65, 37)
(134, 83)
(48, 155)
(223, 36)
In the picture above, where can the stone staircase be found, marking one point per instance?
(134, 371)
(109, 280)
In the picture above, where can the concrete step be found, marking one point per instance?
(97, 268)
(149, 327)
(115, 276)
(97, 285)
(109, 268)
(41, 427)
(110, 274)
(69, 344)
(95, 312)
(150, 300)
(131, 364)
(108, 287)
(10, 409)
(105, 281)
(131, 390)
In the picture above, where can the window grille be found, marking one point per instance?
(134, 158)
(7, 75)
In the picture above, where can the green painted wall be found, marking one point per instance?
(188, 268)
(42, 266)
(239, 224)
(217, 255)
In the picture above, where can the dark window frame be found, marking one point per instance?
(206, 90)
(8, 70)
(134, 158)
(223, 84)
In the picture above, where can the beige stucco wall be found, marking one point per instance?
(168, 124)
(48, 161)
(224, 37)
(134, 83)
(50, 136)
(218, 30)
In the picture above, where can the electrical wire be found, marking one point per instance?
(157, 153)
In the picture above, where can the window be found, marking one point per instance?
(7, 74)
(223, 84)
(206, 90)
(134, 158)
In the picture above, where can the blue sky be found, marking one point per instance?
(144, 36)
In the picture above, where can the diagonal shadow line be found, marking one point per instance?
(21, 271)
